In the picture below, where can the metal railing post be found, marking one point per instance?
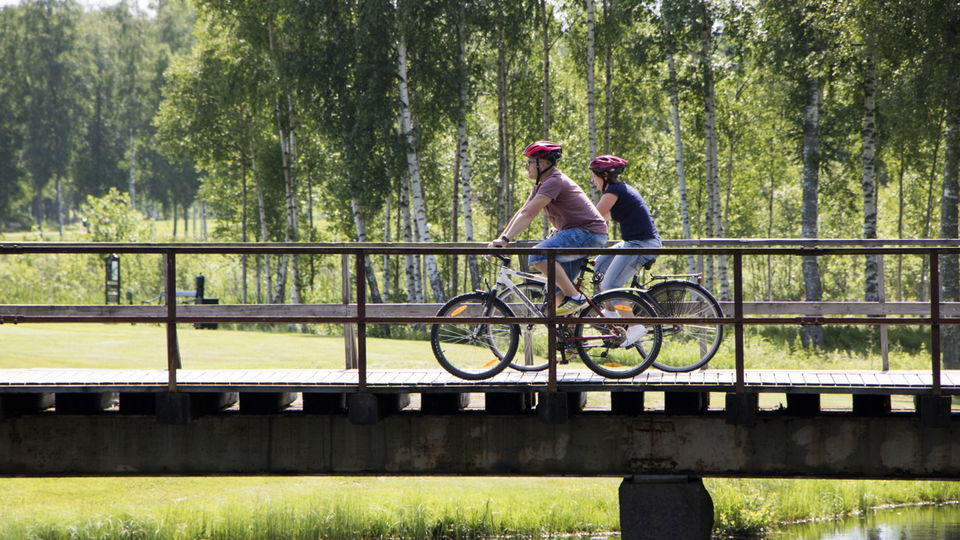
(361, 272)
(349, 336)
(738, 319)
(935, 320)
(884, 331)
(550, 297)
(173, 347)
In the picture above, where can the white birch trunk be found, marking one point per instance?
(545, 34)
(262, 211)
(385, 260)
(591, 89)
(243, 227)
(463, 145)
(678, 156)
(503, 206)
(608, 80)
(949, 266)
(412, 265)
(413, 163)
(59, 184)
(812, 335)
(923, 293)
(373, 291)
(466, 192)
(714, 218)
(132, 173)
(869, 178)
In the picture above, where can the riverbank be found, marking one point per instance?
(390, 507)
(750, 507)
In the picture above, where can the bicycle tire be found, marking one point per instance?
(464, 349)
(606, 357)
(683, 342)
(531, 335)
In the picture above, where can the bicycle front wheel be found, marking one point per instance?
(474, 350)
(615, 349)
(532, 352)
(686, 346)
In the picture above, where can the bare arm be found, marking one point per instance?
(605, 204)
(522, 219)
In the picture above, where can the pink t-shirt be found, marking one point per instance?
(570, 207)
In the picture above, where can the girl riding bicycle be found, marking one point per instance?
(624, 205)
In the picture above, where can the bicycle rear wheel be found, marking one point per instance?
(474, 350)
(532, 351)
(686, 346)
(600, 345)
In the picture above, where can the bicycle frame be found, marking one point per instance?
(505, 279)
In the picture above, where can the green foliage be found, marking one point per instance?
(111, 219)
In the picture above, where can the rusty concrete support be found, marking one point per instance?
(665, 508)
(894, 446)
(553, 407)
(741, 409)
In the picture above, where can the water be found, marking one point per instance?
(907, 523)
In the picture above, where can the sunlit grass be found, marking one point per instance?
(307, 507)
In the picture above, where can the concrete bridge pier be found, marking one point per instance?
(665, 508)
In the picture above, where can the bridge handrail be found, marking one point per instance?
(358, 314)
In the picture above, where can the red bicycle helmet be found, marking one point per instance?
(608, 164)
(544, 150)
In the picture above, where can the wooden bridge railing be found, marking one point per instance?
(739, 313)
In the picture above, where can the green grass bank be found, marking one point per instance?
(387, 507)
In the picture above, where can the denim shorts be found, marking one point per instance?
(618, 269)
(569, 238)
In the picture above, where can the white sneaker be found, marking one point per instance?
(634, 333)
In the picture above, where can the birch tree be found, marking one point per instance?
(591, 85)
(463, 142)
(673, 89)
(413, 164)
(714, 219)
(869, 174)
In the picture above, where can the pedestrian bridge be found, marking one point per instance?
(651, 429)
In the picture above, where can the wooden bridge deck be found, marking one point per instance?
(430, 381)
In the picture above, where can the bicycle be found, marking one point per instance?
(674, 296)
(679, 298)
(464, 349)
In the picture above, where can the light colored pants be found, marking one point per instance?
(618, 269)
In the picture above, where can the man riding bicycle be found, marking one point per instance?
(568, 209)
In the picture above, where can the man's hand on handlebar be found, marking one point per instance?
(498, 243)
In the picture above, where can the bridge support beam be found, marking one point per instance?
(665, 508)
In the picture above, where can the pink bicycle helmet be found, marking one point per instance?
(606, 164)
(544, 150)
